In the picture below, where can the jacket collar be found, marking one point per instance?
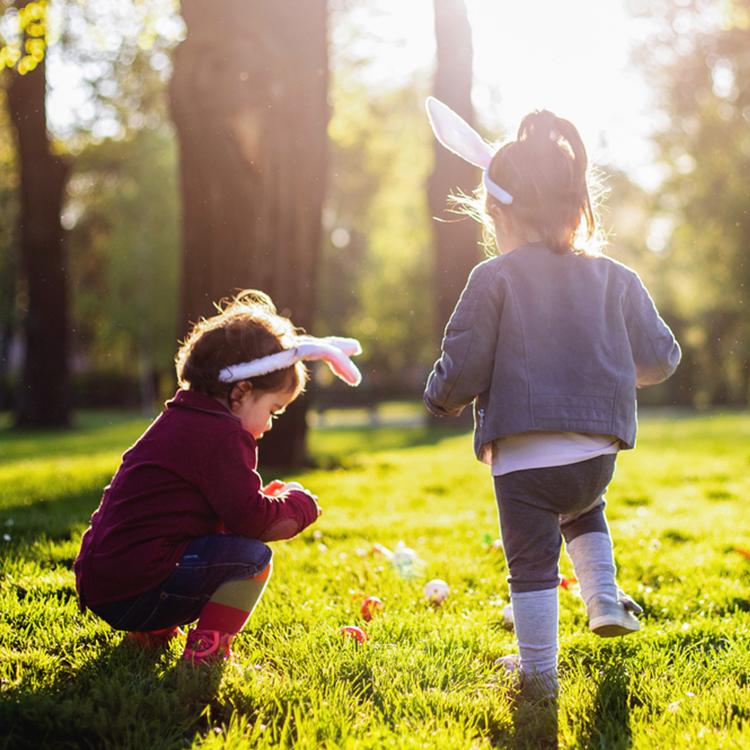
(197, 401)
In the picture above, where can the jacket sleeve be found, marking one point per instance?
(233, 488)
(656, 352)
(464, 369)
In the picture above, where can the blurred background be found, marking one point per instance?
(156, 156)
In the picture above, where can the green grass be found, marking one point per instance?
(678, 508)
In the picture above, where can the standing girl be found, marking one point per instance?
(181, 531)
(550, 343)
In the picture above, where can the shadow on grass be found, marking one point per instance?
(92, 431)
(534, 726)
(99, 431)
(610, 715)
(342, 447)
(125, 697)
(56, 520)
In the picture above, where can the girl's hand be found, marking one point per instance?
(277, 487)
(295, 486)
(273, 488)
(300, 510)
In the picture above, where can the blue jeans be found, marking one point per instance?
(208, 562)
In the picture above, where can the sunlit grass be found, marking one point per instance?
(678, 511)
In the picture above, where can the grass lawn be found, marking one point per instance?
(678, 511)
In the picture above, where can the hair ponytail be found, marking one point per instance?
(569, 133)
(538, 127)
(546, 170)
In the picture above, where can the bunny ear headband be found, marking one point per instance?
(458, 136)
(334, 351)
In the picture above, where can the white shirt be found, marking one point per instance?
(535, 450)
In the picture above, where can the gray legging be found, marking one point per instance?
(536, 505)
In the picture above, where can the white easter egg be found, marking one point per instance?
(436, 591)
(508, 616)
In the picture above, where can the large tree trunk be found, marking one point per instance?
(43, 393)
(249, 100)
(8, 285)
(456, 249)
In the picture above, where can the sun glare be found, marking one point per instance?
(572, 58)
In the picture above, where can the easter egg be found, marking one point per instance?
(508, 617)
(436, 591)
(404, 557)
(370, 606)
(353, 631)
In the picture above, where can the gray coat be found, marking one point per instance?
(549, 342)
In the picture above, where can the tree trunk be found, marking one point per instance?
(456, 248)
(8, 285)
(249, 101)
(43, 394)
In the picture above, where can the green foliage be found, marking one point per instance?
(699, 60)
(124, 252)
(378, 283)
(115, 56)
(122, 199)
(23, 35)
(425, 679)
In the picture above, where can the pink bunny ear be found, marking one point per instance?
(333, 356)
(350, 347)
(457, 135)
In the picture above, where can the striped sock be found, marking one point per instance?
(233, 603)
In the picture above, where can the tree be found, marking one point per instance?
(8, 249)
(43, 396)
(120, 46)
(699, 60)
(456, 250)
(124, 258)
(248, 99)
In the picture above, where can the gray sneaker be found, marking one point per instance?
(609, 617)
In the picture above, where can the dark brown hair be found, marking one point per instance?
(546, 171)
(245, 327)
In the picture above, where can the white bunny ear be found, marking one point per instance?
(457, 135)
(333, 350)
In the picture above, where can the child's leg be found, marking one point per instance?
(226, 575)
(233, 602)
(589, 545)
(224, 615)
(531, 539)
(197, 585)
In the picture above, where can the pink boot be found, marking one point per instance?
(208, 646)
(154, 638)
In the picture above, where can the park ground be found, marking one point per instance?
(679, 514)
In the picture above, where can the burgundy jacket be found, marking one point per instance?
(192, 473)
